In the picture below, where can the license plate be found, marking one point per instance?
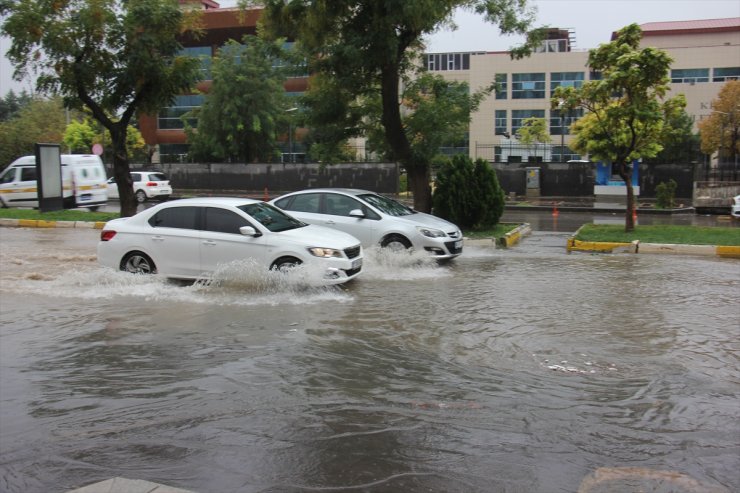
(356, 263)
(84, 197)
(458, 244)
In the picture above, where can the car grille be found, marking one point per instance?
(352, 252)
(451, 247)
(352, 272)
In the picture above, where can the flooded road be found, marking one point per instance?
(521, 370)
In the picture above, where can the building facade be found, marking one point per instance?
(706, 53)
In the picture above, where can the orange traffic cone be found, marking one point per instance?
(555, 212)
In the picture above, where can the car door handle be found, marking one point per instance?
(157, 238)
(330, 222)
(209, 243)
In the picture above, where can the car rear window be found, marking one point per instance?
(157, 177)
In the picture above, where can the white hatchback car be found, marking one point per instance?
(192, 238)
(147, 185)
(374, 220)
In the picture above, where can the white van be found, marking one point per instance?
(83, 182)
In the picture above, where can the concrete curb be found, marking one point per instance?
(40, 223)
(638, 247)
(508, 240)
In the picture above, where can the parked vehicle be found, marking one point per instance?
(374, 220)
(735, 208)
(191, 238)
(83, 182)
(147, 185)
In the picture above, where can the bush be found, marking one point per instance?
(468, 194)
(665, 194)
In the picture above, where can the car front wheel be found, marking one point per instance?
(395, 243)
(138, 263)
(284, 264)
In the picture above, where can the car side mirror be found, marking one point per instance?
(356, 213)
(249, 231)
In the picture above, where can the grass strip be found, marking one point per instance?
(65, 215)
(666, 234)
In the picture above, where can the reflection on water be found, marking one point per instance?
(518, 370)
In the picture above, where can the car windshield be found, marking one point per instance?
(386, 205)
(270, 217)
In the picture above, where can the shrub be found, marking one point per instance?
(665, 194)
(468, 194)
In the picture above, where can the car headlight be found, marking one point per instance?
(325, 252)
(431, 233)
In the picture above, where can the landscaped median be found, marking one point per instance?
(504, 235)
(684, 240)
(41, 223)
(72, 218)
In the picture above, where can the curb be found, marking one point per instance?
(667, 248)
(40, 223)
(508, 240)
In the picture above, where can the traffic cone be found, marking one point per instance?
(555, 212)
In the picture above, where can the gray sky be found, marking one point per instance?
(593, 22)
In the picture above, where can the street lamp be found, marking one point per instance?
(562, 130)
(290, 134)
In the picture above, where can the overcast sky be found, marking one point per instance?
(592, 20)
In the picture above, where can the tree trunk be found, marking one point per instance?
(122, 172)
(418, 175)
(625, 172)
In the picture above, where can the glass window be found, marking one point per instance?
(204, 54)
(271, 217)
(309, 202)
(501, 122)
(502, 86)
(560, 126)
(156, 177)
(340, 205)
(223, 221)
(725, 74)
(689, 75)
(8, 176)
(176, 217)
(28, 174)
(447, 61)
(517, 116)
(170, 117)
(386, 205)
(566, 79)
(528, 86)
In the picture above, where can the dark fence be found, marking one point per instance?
(555, 179)
(378, 177)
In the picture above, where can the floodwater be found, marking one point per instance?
(521, 370)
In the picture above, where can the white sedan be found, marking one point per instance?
(192, 238)
(374, 220)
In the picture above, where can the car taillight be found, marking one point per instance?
(151, 184)
(107, 234)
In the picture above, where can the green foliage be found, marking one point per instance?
(680, 235)
(12, 103)
(666, 194)
(365, 49)
(533, 131)
(113, 57)
(41, 120)
(468, 193)
(626, 108)
(81, 135)
(245, 109)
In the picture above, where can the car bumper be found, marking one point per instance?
(445, 248)
(343, 270)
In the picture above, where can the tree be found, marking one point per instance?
(81, 135)
(12, 103)
(41, 120)
(680, 143)
(367, 46)
(626, 110)
(246, 107)
(719, 133)
(468, 193)
(534, 131)
(112, 56)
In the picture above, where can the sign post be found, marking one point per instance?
(49, 177)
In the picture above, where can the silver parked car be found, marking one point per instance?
(374, 220)
(192, 238)
(147, 185)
